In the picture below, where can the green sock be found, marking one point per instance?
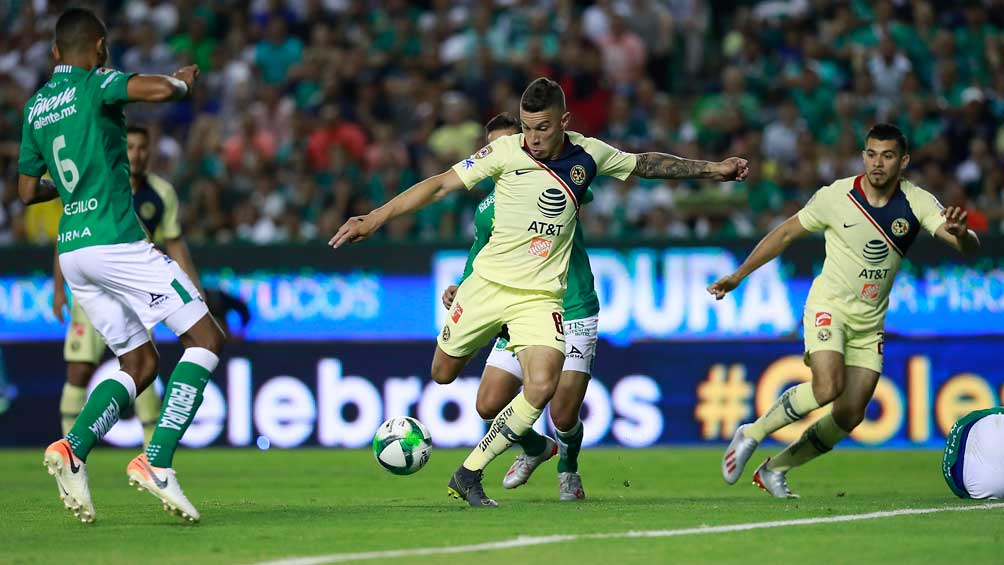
(532, 443)
(182, 399)
(569, 444)
(101, 412)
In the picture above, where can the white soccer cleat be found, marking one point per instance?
(570, 487)
(774, 482)
(71, 478)
(162, 483)
(737, 454)
(520, 472)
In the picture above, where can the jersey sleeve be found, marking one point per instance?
(30, 161)
(813, 215)
(111, 85)
(489, 161)
(170, 227)
(928, 210)
(610, 161)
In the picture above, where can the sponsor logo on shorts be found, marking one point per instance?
(457, 312)
(578, 174)
(78, 329)
(824, 335)
(870, 291)
(157, 299)
(446, 334)
(483, 152)
(540, 247)
(823, 319)
(574, 352)
(900, 226)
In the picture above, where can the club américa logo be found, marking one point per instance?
(578, 174)
(900, 226)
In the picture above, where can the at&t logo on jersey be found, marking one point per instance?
(876, 251)
(551, 202)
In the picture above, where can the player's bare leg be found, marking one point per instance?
(446, 368)
(71, 402)
(827, 382)
(66, 458)
(848, 411)
(565, 407)
(153, 470)
(541, 368)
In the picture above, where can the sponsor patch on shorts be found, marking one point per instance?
(823, 319)
(457, 312)
(446, 334)
(824, 335)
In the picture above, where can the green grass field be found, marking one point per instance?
(267, 505)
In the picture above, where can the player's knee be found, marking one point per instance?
(563, 415)
(486, 409)
(444, 373)
(848, 417)
(142, 367)
(540, 391)
(826, 390)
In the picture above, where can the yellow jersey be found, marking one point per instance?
(865, 244)
(536, 206)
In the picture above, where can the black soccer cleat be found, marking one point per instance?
(466, 485)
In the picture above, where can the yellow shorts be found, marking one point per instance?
(83, 343)
(826, 329)
(481, 307)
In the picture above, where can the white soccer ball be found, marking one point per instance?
(402, 445)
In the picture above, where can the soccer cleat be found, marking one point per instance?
(773, 482)
(162, 483)
(570, 487)
(71, 478)
(466, 485)
(737, 454)
(523, 467)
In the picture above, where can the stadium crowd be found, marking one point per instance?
(312, 110)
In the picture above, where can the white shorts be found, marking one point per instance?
(128, 288)
(580, 349)
(983, 466)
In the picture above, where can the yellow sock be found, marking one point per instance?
(794, 404)
(817, 440)
(70, 405)
(509, 426)
(147, 409)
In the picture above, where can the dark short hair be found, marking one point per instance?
(888, 132)
(136, 128)
(543, 93)
(505, 120)
(77, 29)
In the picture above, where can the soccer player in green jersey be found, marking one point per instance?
(74, 126)
(519, 277)
(156, 204)
(869, 222)
(502, 376)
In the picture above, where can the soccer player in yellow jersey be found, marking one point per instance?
(869, 222)
(156, 205)
(519, 276)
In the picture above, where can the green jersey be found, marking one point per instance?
(580, 295)
(74, 127)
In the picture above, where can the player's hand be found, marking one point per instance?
(59, 303)
(723, 285)
(448, 295)
(187, 75)
(956, 221)
(733, 168)
(356, 228)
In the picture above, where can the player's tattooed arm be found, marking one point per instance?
(33, 190)
(666, 166)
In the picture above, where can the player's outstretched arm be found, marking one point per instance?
(420, 195)
(772, 245)
(955, 231)
(666, 166)
(33, 190)
(162, 88)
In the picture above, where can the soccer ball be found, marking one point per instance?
(402, 445)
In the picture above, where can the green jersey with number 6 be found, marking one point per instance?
(74, 127)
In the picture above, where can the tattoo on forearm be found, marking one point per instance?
(665, 166)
